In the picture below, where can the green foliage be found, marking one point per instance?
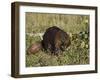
(77, 27)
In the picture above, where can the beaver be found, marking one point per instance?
(55, 40)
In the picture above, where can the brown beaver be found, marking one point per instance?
(55, 40)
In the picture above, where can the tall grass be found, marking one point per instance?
(39, 22)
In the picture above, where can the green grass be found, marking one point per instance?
(77, 53)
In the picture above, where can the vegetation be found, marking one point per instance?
(77, 26)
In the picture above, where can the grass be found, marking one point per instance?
(77, 27)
